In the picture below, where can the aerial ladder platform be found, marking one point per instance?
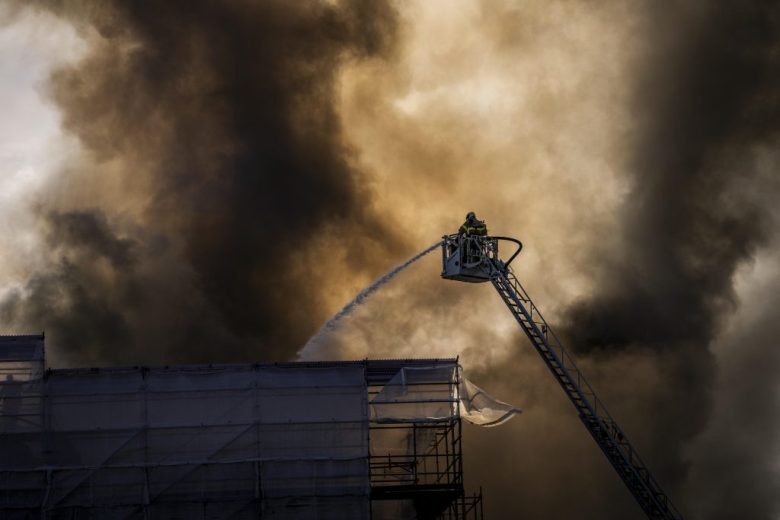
(475, 259)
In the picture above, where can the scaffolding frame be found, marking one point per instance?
(429, 472)
(224, 441)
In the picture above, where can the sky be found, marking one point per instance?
(201, 182)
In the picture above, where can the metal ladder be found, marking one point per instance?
(605, 431)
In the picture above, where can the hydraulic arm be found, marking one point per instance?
(475, 259)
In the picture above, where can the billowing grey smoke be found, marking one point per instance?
(706, 103)
(72, 298)
(217, 121)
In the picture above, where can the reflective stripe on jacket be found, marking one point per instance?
(479, 230)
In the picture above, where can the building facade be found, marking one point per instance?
(327, 440)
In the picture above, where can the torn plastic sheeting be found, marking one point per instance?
(437, 393)
(417, 394)
(480, 408)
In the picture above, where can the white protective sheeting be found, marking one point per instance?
(298, 440)
(418, 395)
(235, 441)
(480, 408)
(21, 370)
(434, 394)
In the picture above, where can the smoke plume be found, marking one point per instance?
(706, 103)
(216, 171)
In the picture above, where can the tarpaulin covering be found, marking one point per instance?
(253, 439)
(437, 393)
(480, 408)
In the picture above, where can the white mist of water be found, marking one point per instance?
(309, 351)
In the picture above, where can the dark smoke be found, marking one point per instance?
(218, 122)
(737, 476)
(706, 100)
(75, 298)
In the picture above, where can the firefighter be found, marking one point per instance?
(473, 226)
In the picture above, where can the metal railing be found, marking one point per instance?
(468, 507)
(435, 458)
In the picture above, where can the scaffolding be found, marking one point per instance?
(358, 439)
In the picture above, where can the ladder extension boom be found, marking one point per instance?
(594, 415)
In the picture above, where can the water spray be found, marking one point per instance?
(331, 325)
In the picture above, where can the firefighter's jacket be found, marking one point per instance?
(473, 226)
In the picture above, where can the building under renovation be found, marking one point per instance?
(362, 439)
(327, 440)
